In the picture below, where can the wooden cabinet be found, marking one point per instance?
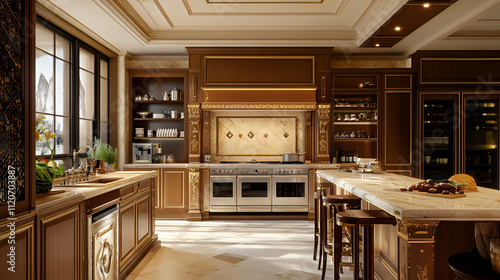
(174, 193)
(136, 220)
(17, 247)
(164, 115)
(59, 243)
(397, 124)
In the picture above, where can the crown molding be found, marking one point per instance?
(63, 20)
(378, 12)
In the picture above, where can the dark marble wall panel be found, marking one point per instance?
(12, 110)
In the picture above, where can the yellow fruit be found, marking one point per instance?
(47, 134)
(53, 135)
(52, 164)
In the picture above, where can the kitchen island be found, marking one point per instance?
(430, 227)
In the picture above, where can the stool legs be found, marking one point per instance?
(337, 246)
(368, 252)
(355, 251)
(316, 228)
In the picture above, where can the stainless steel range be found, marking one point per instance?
(258, 187)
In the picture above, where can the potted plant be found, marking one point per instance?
(46, 170)
(103, 153)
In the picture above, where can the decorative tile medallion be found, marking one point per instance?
(265, 135)
(229, 135)
(286, 134)
(250, 135)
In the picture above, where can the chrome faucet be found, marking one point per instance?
(75, 153)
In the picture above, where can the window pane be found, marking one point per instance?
(62, 139)
(87, 93)
(85, 133)
(103, 127)
(44, 39)
(44, 82)
(104, 69)
(46, 122)
(63, 49)
(63, 92)
(87, 60)
(104, 100)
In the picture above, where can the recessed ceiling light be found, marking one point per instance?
(397, 28)
(426, 5)
(377, 45)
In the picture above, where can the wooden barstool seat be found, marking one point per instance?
(333, 204)
(366, 219)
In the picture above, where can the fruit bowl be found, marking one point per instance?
(143, 114)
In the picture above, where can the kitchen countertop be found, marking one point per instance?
(232, 165)
(382, 190)
(87, 191)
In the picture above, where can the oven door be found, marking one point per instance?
(222, 193)
(254, 193)
(290, 193)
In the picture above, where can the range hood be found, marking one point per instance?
(259, 98)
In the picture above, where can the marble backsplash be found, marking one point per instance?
(259, 135)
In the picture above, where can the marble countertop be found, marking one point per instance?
(65, 194)
(233, 165)
(382, 190)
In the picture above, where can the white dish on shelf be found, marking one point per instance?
(158, 116)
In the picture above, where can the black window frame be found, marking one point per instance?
(76, 44)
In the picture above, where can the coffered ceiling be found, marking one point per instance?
(168, 26)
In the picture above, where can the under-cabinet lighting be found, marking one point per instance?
(426, 5)
(397, 28)
(377, 45)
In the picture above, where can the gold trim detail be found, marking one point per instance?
(323, 87)
(194, 83)
(410, 229)
(194, 123)
(422, 272)
(230, 106)
(194, 111)
(194, 179)
(324, 120)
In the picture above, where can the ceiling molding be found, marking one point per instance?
(253, 35)
(375, 17)
(190, 11)
(56, 15)
(123, 13)
(164, 13)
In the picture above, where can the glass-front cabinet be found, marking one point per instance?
(481, 139)
(459, 134)
(439, 129)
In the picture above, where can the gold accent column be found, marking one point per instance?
(194, 114)
(194, 213)
(323, 112)
(416, 249)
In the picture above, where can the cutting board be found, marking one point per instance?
(449, 196)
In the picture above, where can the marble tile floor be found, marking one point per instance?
(219, 250)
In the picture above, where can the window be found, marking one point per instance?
(71, 91)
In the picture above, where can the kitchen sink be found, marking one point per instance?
(101, 181)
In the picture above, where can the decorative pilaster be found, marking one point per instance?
(323, 111)
(194, 114)
(416, 249)
(194, 213)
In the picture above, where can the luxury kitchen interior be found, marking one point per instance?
(250, 139)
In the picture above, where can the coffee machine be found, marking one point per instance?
(144, 152)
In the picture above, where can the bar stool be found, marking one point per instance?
(366, 219)
(332, 204)
(317, 200)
